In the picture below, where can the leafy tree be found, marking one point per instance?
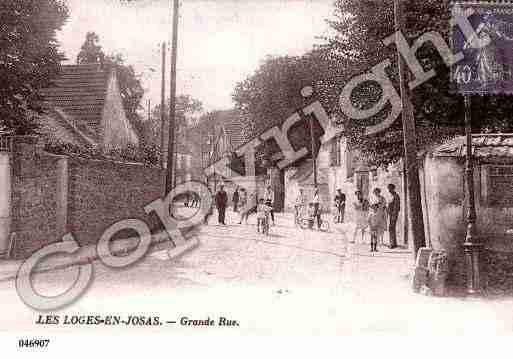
(130, 85)
(29, 57)
(91, 52)
(187, 111)
(273, 92)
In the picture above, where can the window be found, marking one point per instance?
(335, 154)
(497, 186)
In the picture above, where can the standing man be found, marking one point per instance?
(235, 199)
(269, 200)
(316, 201)
(393, 213)
(340, 204)
(221, 201)
(299, 207)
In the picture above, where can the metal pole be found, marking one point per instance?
(410, 145)
(314, 152)
(172, 99)
(163, 127)
(472, 246)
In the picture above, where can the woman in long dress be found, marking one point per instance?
(243, 204)
(381, 203)
(361, 208)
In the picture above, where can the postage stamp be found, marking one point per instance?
(487, 67)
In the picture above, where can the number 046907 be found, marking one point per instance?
(33, 343)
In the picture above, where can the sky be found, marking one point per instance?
(221, 42)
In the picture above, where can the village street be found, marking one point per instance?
(295, 282)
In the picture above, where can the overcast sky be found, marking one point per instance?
(220, 42)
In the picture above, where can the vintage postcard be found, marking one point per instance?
(244, 168)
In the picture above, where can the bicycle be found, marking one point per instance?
(306, 222)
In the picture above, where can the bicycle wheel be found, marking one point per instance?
(325, 226)
(303, 223)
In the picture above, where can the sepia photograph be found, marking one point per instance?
(269, 168)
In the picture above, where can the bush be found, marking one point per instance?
(145, 154)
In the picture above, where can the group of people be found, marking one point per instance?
(312, 208)
(245, 204)
(378, 216)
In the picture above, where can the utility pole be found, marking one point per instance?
(410, 143)
(163, 127)
(175, 149)
(314, 151)
(172, 100)
(149, 110)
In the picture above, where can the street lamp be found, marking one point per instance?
(472, 245)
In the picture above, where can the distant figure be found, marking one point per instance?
(317, 206)
(187, 199)
(195, 200)
(361, 208)
(209, 212)
(263, 211)
(381, 203)
(299, 206)
(340, 205)
(221, 202)
(311, 213)
(243, 206)
(269, 200)
(374, 222)
(394, 206)
(235, 199)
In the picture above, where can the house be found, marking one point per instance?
(84, 107)
(341, 167)
(183, 164)
(213, 139)
(443, 182)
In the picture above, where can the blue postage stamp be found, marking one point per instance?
(487, 66)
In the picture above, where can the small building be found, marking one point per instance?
(183, 164)
(344, 168)
(445, 200)
(84, 107)
(210, 141)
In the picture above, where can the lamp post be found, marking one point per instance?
(472, 245)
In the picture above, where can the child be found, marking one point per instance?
(262, 215)
(311, 215)
(374, 221)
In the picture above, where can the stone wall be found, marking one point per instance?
(446, 203)
(53, 195)
(102, 193)
(34, 198)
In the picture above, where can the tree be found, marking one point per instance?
(29, 58)
(130, 85)
(187, 111)
(91, 52)
(273, 92)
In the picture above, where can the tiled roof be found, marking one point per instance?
(80, 91)
(483, 146)
(230, 120)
